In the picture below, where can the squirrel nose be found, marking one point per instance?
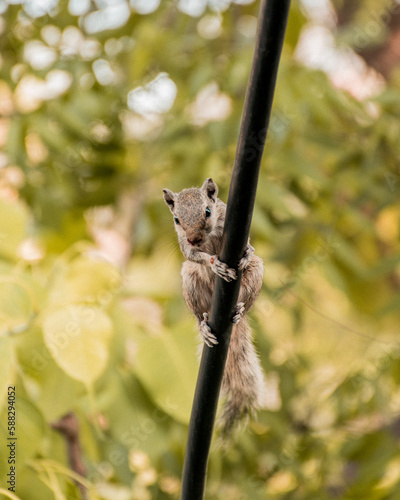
(195, 240)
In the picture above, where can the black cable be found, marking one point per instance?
(253, 130)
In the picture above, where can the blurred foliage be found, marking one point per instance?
(92, 318)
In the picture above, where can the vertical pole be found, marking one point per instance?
(257, 110)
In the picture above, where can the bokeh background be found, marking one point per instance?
(104, 103)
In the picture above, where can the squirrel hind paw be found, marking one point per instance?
(246, 259)
(222, 270)
(239, 311)
(205, 331)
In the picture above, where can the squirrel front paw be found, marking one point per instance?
(239, 311)
(246, 259)
(205, 331)
(222, 270)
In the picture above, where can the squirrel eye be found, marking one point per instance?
(176, 220)
(208, 213)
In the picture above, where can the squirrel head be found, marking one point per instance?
(194, 212)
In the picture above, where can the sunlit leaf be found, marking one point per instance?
(86, 279)
(8, 368)
(167, 366)
(13, 226)
(16, 304)
(78, 338)
(155, 277)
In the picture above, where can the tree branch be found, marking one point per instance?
(68, 426)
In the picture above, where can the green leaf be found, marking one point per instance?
(157, 276)
(78, 338)
(42, 374)
(8, 494)
(167, 367)
(16, 304)
(15, 146)
(13, 224)
(30, 429)
(86, 279)
(30, 426)
(7, 368)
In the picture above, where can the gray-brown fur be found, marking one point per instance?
(200, 240)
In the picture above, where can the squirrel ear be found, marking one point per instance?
(169, 198)
(210, 188)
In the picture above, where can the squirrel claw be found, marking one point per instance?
(222, 270)
(246, 259)
(239, 310)
(205, 331)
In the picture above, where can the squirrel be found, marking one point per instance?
(199, 218)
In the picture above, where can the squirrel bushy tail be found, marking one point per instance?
(243, 385)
